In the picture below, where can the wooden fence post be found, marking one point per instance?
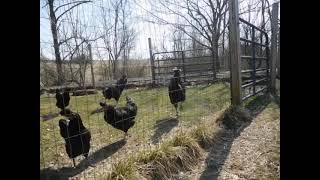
(151, 62)
(274, 32)
(91, 65)
(278, 66)
(235, 60)
(183, 67)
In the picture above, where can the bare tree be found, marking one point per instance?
(75, 43)
(82, 61)
(178, 44)
(47, 72)
(54, 21)
(205, 17)
(118, 35)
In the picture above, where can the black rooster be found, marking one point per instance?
(121, 83)
(121, 118)
(177, 91)
(77, 137)
(63, 98)
(115, 91)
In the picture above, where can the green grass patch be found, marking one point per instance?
(153, 105)
(182, 152)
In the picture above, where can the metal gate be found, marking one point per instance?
(255, 60)
(196, 65)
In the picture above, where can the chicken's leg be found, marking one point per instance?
(176, 107)
(74, 162)
(181, 108)
(49, 116)
(125, 136)
(98, 110)
(88, 161)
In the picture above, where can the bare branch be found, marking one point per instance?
(207, 36)
(67, 39)
(192, 37)
(205, 19)
(72, 52)
(72, 8)
(70, 3)
(46, 4)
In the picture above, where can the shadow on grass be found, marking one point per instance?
(201, 91)
(97, 156)
(162, 127)
(219, 150)
(277, 99)
(224, 85)
(206, 86)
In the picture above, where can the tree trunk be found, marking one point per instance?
(71, 72)
(53, 21)
(278, 66)
(110, 66)
(84, 74)
(124, 68)
(91, 66)
(213, 63)
(80, 76)
(105, 75)
(114, 69)
(215, 58)
(223, 48)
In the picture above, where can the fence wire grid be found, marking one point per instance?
(88, 70)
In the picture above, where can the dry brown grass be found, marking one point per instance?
(183, 152)
(233, 117)
(179, 154)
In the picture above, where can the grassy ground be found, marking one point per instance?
(153, 107)
(248, 147)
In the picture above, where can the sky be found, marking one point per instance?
(89, 18)
(144, 30)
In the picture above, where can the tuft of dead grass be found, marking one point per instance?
(123, 170)
(203, 134)
(234, 116)
(179, 154)
(206, 131)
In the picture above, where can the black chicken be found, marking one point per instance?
(121, 83)
(177, 91)
(115, 91)
(121, 118)
(77, 137)
(63, 98)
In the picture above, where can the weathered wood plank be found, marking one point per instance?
(235, 59)
(274, 53)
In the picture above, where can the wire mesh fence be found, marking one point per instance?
(155, 121)
(91, 62)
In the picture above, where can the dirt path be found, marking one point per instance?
(253, 152)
